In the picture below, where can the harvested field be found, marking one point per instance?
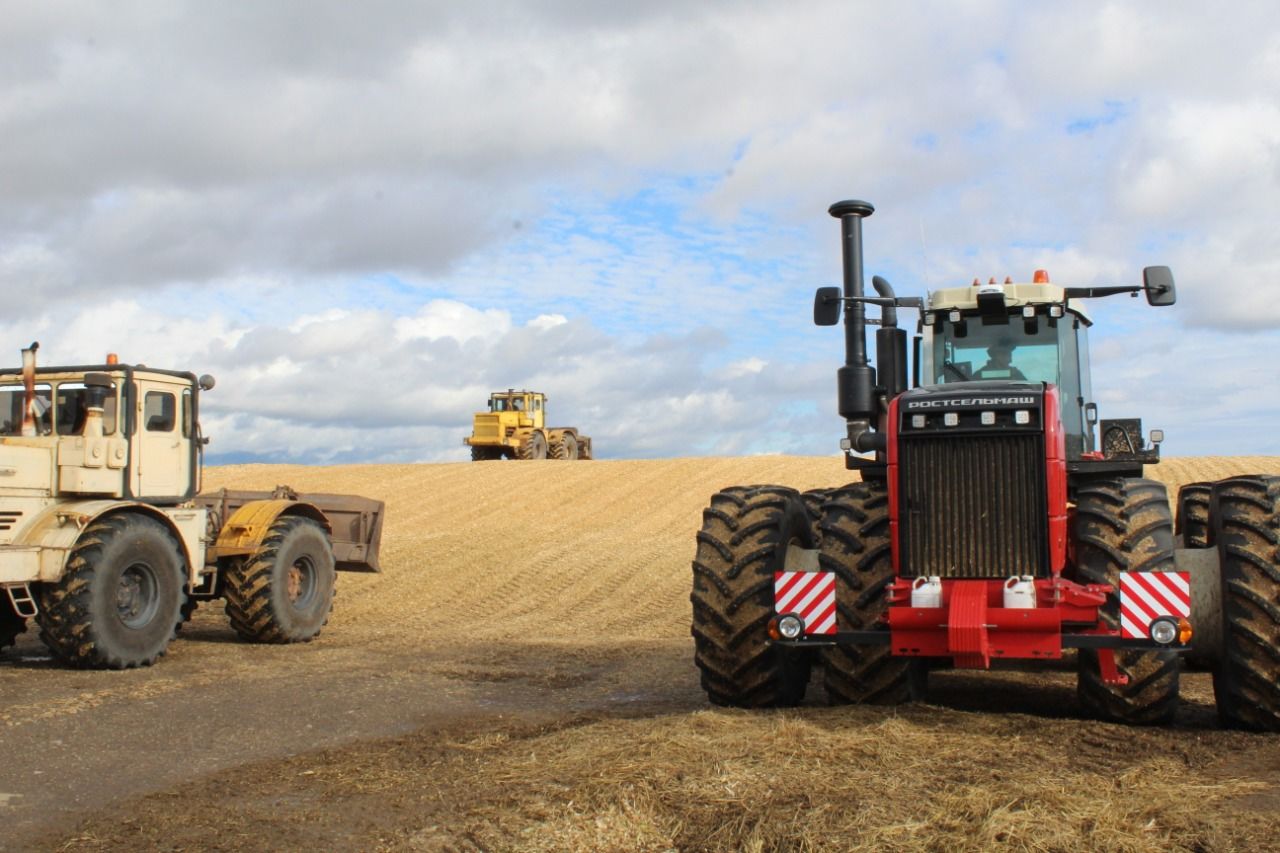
(520, 678)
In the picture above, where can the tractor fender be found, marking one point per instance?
(243, 532)
(40, 550)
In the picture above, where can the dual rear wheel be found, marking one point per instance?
(749, 533)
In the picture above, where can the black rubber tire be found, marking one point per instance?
(120, 597)
(1124, 525)
(1246, 681)
(485, 454)
(262, 606)
(813, 501)
(745, 535)
(11, 624)
(1192, 518)
(856, 546)
(534, 448)
(188, 610)
(565, 448)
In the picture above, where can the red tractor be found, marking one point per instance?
(996, 519)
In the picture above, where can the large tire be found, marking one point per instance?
(565, 448)
(1124, 525)
(11, 624)
(120, 597)
(856, 546)
(534, 448)
(1192, 527)
(284, 591)
(747, 533)
(485, 454)
(1246, 680)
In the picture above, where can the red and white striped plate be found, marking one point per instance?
(1146, 596)
(809, 595)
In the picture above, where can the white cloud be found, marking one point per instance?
(364, 219)
(446, 318)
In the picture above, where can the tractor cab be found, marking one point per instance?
(1012, 333)
(111, 430)
(522, 408)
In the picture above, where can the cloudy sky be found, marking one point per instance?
(362, 218)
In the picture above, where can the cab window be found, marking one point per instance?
(71, 408)
(996, 352)
(159, 411)
(12, 398)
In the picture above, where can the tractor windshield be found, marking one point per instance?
(996, 352)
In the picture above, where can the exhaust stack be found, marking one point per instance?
(29, 387)
(856, 381)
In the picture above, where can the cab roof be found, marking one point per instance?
(1015, 295)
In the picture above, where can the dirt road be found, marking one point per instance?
(520, 677)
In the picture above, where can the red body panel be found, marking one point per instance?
(973, 627)
(891, 456)
(1055, 457)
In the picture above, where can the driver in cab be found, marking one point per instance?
(999, 364)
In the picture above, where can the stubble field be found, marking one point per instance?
(520, 677)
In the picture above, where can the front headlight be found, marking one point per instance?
(1163, 631)
(790, 626)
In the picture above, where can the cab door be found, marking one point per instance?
(162, 439)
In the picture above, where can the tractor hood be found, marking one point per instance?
(963, 406)
(27, 466)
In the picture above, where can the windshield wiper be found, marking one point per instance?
(951, 365)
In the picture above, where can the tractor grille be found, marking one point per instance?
(486, 426)
(973, 506)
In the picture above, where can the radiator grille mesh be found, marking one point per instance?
(973, 506)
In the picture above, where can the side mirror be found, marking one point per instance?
(1091, 414)
(1158, 284)
(206, 382)
(826, 306)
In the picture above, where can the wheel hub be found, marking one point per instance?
(137, 595)
(301, 583)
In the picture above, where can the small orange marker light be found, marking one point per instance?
(1184, 631)
(1008, 279)
(1041, 277)
(774, 633)
(112, 358)
(975, 281)
(991, 280)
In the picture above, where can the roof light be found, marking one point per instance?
(1041, 277)
(929, 318)
(1008, 279)
(1055, 310)
(976, 282)
(112, 358)
(954, 316)
(1028, 311)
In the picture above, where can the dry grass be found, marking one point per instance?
(586, 563)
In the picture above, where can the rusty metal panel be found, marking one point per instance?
(355, 522)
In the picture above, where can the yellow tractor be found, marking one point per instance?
(514, 427)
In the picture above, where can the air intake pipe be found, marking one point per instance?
(891, 343)
(856, 380)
